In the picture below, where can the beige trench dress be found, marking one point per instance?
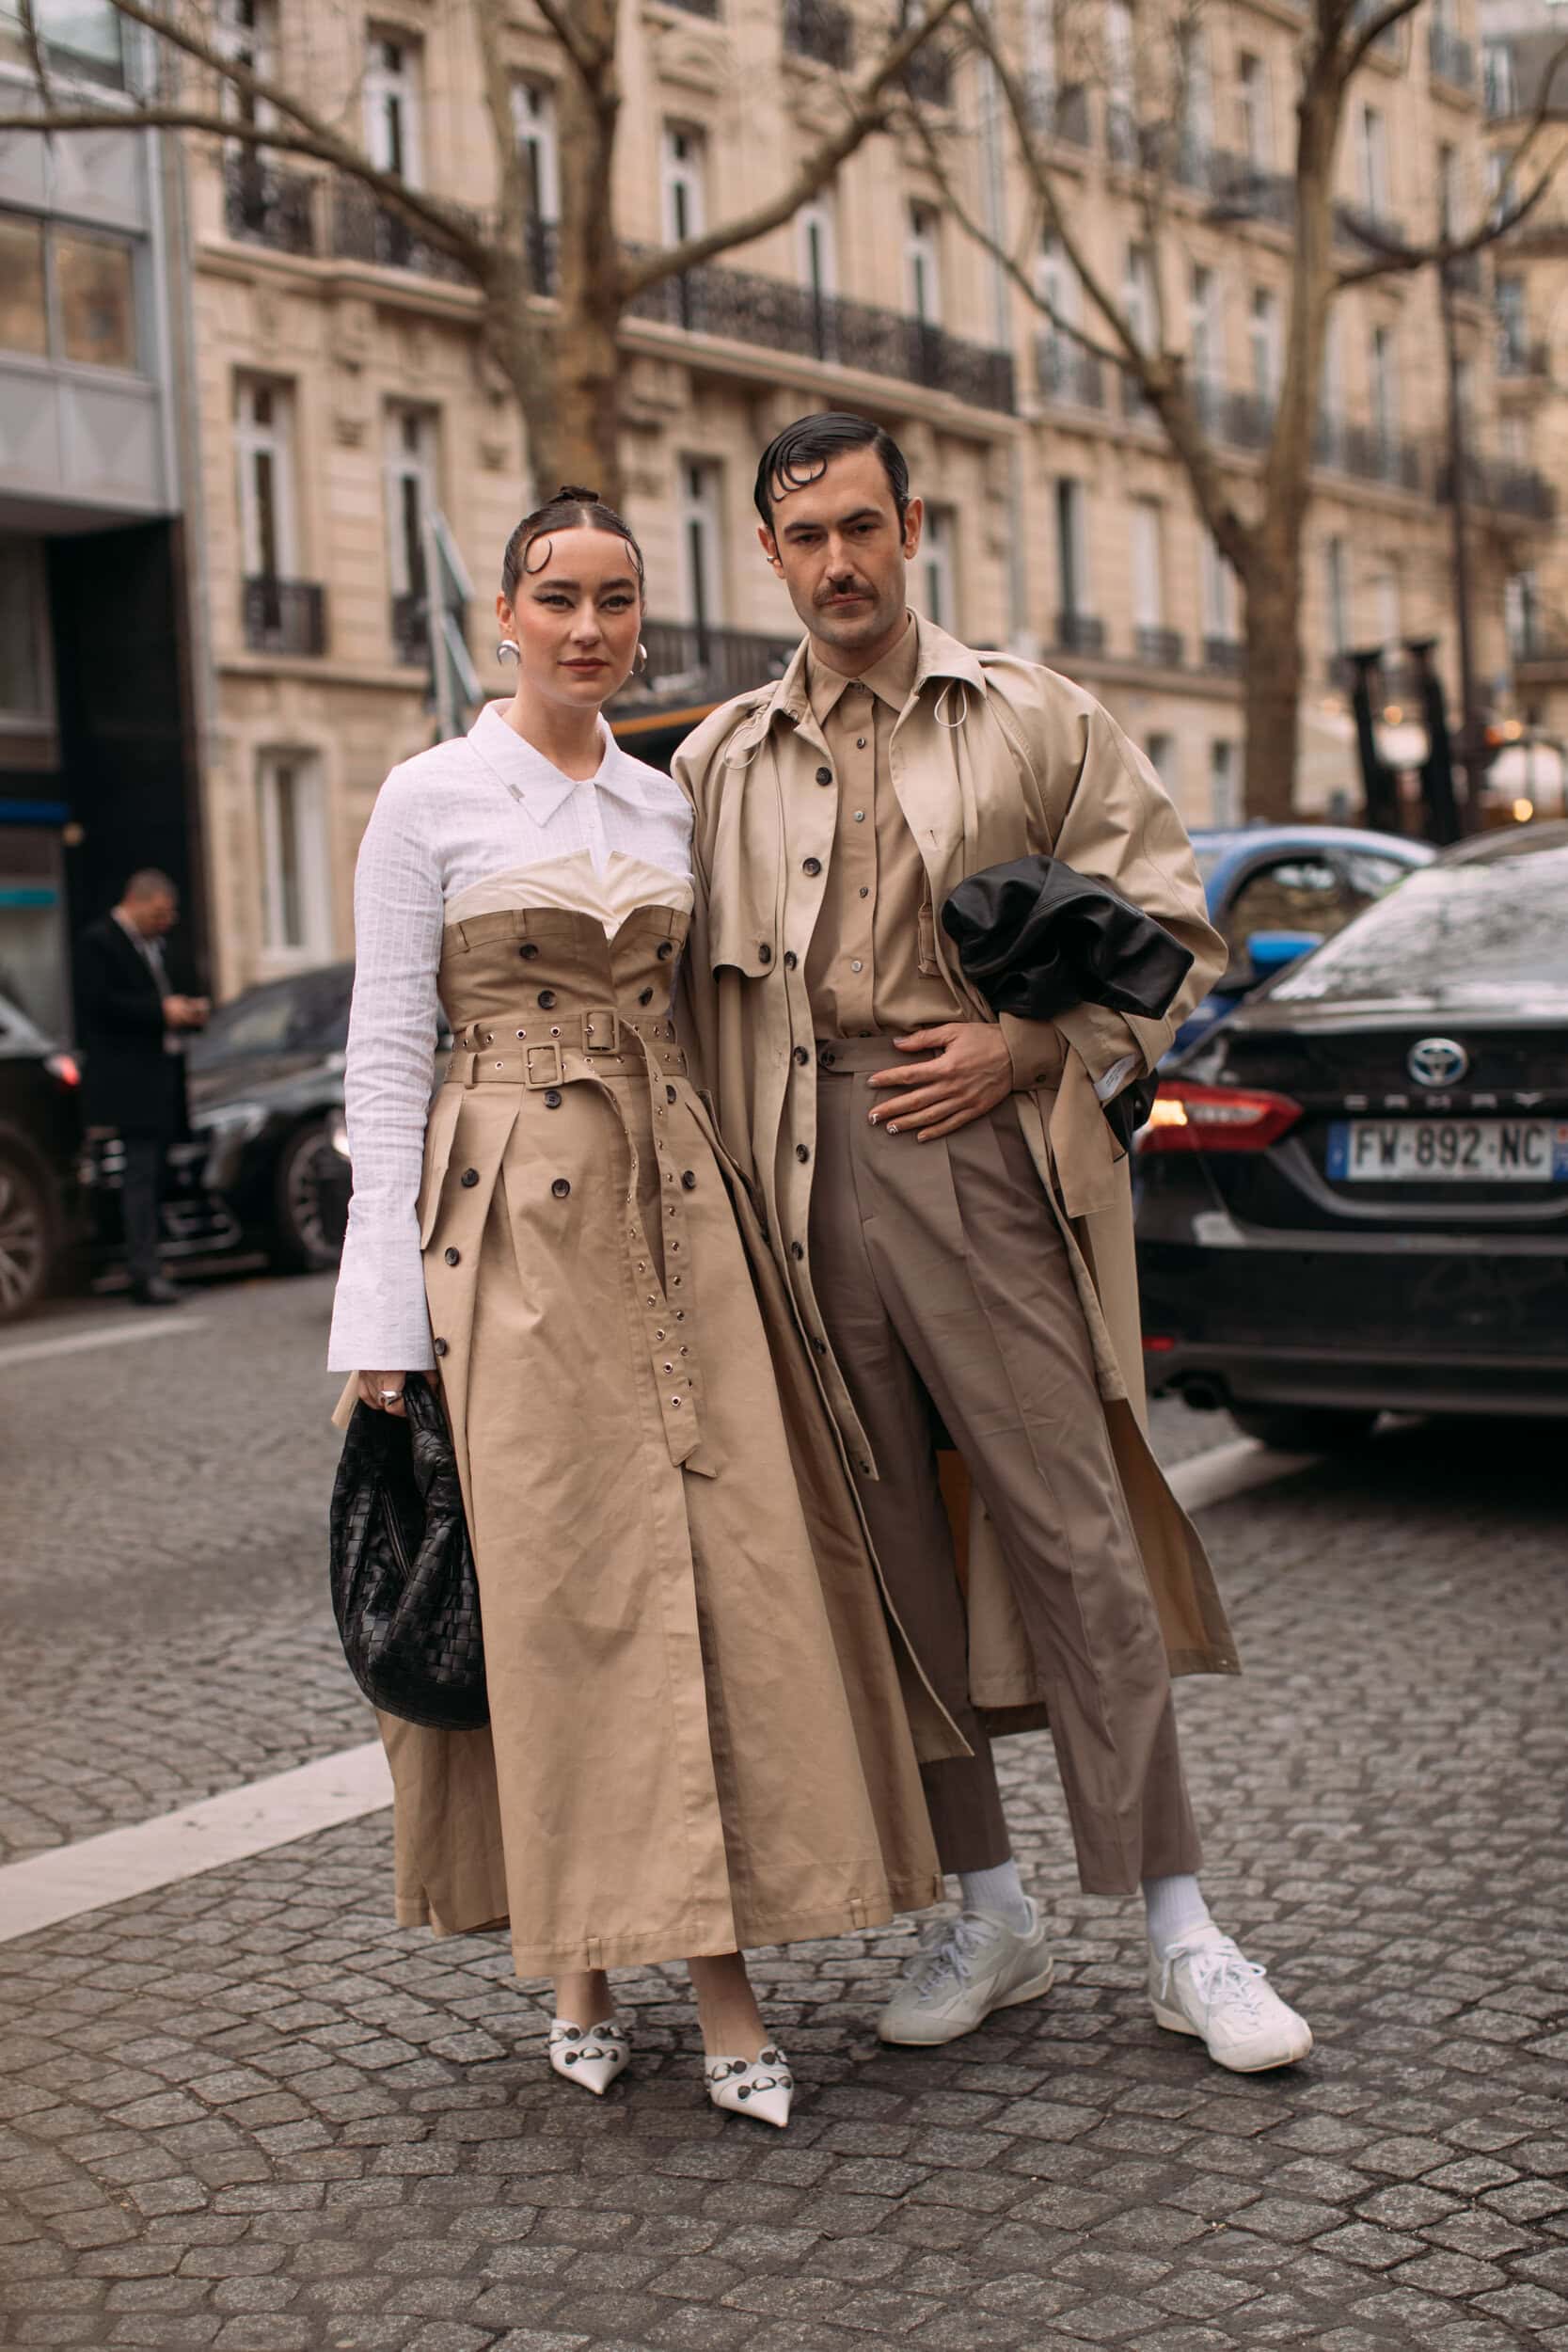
(703, 1729)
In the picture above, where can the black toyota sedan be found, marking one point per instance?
(40, 1133)
(1353, 1193)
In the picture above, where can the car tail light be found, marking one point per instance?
(65, 1067)
(1158, 1344)
(1191, 1118)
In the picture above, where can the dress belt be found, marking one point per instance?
(602, 1044)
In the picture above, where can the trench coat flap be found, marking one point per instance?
(437, 1157)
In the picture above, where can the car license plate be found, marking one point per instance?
(1448, 1151)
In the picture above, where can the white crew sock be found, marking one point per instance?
(999, 1894)
(1176, 1907)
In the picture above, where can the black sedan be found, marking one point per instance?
(1353, 1194)
(39, 1136)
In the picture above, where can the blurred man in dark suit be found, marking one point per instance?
(133, 1027)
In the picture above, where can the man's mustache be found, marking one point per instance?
(842, 592)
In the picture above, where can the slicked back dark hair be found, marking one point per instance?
(573, 508)
(804, 450)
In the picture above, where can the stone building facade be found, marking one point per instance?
(343, 404)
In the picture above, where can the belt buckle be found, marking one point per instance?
(590, 1042)
(554, 1074)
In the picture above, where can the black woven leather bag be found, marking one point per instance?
(404, 1589)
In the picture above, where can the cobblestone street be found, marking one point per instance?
(246, 2111)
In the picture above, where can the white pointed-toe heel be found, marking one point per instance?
(589, 2055)
(762, 2086)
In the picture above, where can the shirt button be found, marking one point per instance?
(552, 1100)
(812, 866)
(857, 967)
(454, 1256)
(666, 949)
(546, 997)
(528, 950)
(560, 1188)
(441, 1347)
(800, 1055)
(824, 775)
(859, 742)
(860, 816)
(803, 1153)
(689, 1181)
(865, 890)
(469, 1176)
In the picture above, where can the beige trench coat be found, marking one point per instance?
(992, 758)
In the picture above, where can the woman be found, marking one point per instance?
(677, 1602)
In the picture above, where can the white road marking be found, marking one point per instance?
(1231, 1470)
(158, 1325)
(46, 1888)
(68, 1880)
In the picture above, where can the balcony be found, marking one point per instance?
(1520, 361)
(929, 76)
(283, 616)
(820, 29)
(410, 618)
(264, 206)
(1240, 420)
(1366, 232)
(773, 315)
(1163, 648)
(1452, 61)
(364, 229)
(1065, 371)
(1239, 189)
(1080, 632)
(1223, 656)
(1503, 488)
(695, 662)
(1059, 110)
(1369, 455)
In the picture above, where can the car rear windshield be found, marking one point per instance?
(1475, 934)
(305, 1014)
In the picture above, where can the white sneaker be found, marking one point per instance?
(1205, 1986)
(967, 1967)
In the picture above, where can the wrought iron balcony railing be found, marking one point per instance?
(1452, 61)
(771, 313)
(1374, 456)
(262, 205)
(1243, 190)
(1519, 359)
(364, 229)
(1080, 632)
(1224, 656)
(697, 661)
(1059, 109)
(410, 622)
(1504, 487)
(286, 616)
(1242, 419)
(1064, 371)
(1163, 648)
(822, 29)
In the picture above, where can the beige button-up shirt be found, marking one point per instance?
(872, 968)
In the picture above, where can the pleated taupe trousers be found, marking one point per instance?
(944, 1285)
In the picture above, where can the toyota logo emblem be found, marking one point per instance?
(1437, 1061)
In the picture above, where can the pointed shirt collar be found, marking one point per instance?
(937, 655)
(539, 785)
(892, 680)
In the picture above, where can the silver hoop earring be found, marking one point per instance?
(641, 663)
(508, 650)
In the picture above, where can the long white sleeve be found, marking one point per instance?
(380, 1321)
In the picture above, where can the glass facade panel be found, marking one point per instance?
(95, 288)
(24, 318)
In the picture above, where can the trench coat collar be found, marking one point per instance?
(937, 656)
(540, 787)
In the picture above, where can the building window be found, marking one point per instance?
(1149, 592)
(923, 263)
(264, 415)
(1372, 153)
(1384, 385)
(1263, 340)
(1499, 81)
(685, 172)
(1386, 608)
(1521, 615)
(1072, 549)
(936, 563)
(296, 917)
(533, 117)
(1252, 107)
(702, 540)
(247, 33)
(393, 128)
(1120, 127)
(1222, 782)
(79, 37)
(1338, 598)
(410, 473)
(1159, 751)
(67, 294)
(1205, 329)
(1218, 582)
(817, 231)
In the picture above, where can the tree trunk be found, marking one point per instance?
(588, 365)
(1273, 678)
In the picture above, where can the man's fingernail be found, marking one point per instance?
(893, 1129)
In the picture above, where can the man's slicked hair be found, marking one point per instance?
(804, 450)
(149, 881)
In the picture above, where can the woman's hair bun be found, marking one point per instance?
(574, 490)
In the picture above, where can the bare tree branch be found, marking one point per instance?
(36, 55)
(590, 58)
(1371, 32)
(867, 112)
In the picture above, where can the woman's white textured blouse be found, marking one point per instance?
(481, 821)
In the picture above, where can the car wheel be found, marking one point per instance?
(25, 1239)
(1304, 1428)
(300, 1244)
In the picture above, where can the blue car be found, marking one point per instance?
(1275, 892)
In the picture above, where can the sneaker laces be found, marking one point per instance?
(952, 1947)
(1221, 1972)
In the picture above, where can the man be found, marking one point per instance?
(953, 1213)
(133, 1028)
